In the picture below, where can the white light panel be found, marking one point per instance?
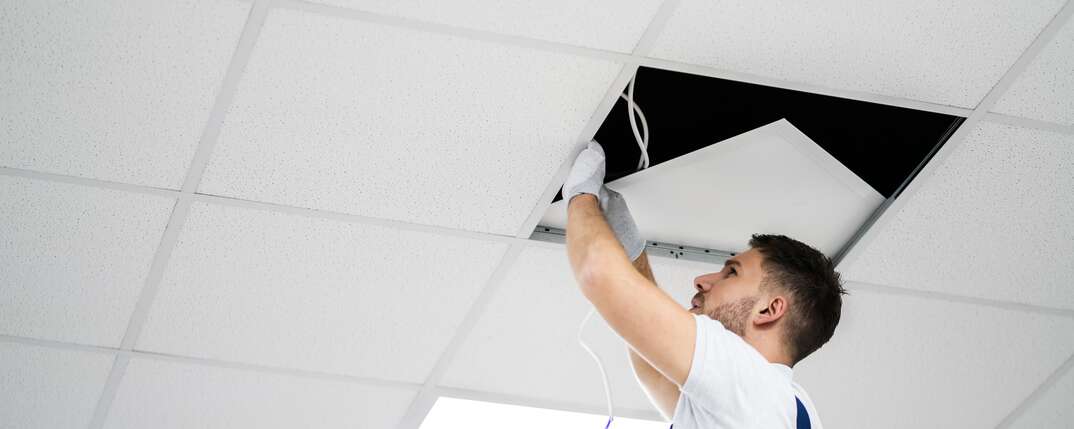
(532, 323)
(49, 388)
(163, 394)
(772, 180)
(898, 361)
(949, 52)
(289, 291)
(1045, 90)
(74, 258)
(115, 90)
(995, 221)
(565, 21)
(357, 117)
(451, 413)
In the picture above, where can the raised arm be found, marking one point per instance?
(662, 392)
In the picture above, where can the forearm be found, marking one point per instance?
(591, 243)
(661, 391)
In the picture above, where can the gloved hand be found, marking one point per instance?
(626, 231)
(587, 177)
(587, 174)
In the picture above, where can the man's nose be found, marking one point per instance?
(702, 286)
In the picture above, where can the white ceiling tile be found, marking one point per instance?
(289, 291)
(162, 394)
(74, 258)
(357, 117)
(898, 361)
(1055, 409)
(49, 388)
(950, 52)
(995, 220)
(621, 22)
(815, 198)
(1045, 90)
(532, 323)
(115, 90)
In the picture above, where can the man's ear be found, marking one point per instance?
(776, 308)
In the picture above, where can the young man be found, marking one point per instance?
(726, 362)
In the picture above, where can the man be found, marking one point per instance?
(726, 362)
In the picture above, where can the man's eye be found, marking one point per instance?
(734, 272)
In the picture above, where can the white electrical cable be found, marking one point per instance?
(643, 162)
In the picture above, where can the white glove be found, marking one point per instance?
(587, 177)
(618, 216)
(587, 174)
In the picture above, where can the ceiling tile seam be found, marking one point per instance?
(240, 57)
(961, 299)
(355, 219)
(868, 97)
(88, 182)
(613, 56)
(645, 43)
(226, 93)
(108, 392)
(208, 362)
(526, 401)
(1043, 38)
(259, 205)
(423, 401)
(1037, 393)
(1036, 124)
(864, 228)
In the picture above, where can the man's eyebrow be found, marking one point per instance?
(733, 262)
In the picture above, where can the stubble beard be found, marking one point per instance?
(734, 315)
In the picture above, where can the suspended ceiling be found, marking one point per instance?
(323, 209)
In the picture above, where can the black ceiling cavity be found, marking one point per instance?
(884, 145)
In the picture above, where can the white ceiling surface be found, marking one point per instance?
(74, 258)
(467, 134)
(718, 192)
(565, 21)
(996, 221)
(114, 90)
(288, 291)
(949, 52)
(49, 388)
(1044, 90)
(471, 143)
(165, 394)
(900, 361)
(525, 343)
(1054, 410)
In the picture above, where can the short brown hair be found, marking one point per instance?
(814, 285)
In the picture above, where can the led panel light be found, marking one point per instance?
(451, 413)
(773, 180)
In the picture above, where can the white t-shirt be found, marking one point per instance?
(731, 385)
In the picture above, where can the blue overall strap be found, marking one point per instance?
(803, 416)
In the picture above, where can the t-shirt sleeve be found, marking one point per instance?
(722, 368)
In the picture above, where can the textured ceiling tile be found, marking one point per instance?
(1055, 409)
(899, 361)
(357, 117)
(949, 52)
(74, 258)
(289, 291)
(49, 388)
(996, 220)
(1045, 90)
(116, 90)
(532, 323)
(621, 22)
(162, 394)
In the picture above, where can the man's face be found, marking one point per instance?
(730, 294)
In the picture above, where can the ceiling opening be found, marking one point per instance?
(818, 163)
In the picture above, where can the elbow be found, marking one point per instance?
(592, 275)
